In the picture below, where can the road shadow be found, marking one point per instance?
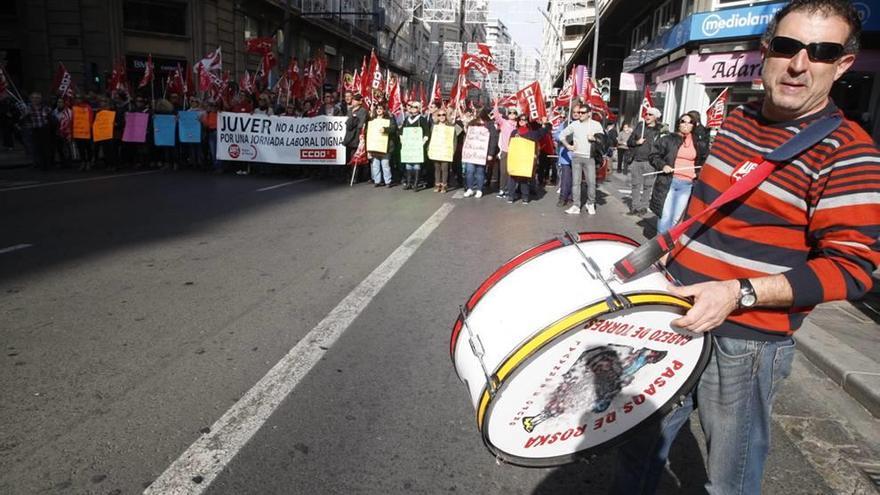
(595, 475)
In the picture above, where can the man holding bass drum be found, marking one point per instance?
(807, 234)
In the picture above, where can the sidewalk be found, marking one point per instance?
(841, 338)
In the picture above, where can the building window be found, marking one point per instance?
(664, 18)
(251, 29)
(155, 16)
(640, 35)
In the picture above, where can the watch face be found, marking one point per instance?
(748, 300)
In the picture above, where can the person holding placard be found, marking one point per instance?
(480, 145)
(83, 115)
(63, 118)
(102, 134)
(380, 145)
(414, 132)
(534, 132)
(442, 148)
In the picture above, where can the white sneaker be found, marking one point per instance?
(591, 209)
(478, 194)
(468, 193)
(573, 210)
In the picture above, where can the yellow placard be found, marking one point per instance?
(102, 129)
(441, 148)
(82, 128)
(521, 157)
(377, 142)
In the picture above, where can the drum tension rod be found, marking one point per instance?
(477, 349)
(615, 301)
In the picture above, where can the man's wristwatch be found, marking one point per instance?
(747, 296)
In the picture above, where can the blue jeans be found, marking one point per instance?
(379, 168)
(735, 396)
(676, 202)
(476, 176)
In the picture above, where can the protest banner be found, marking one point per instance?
(188, 127)
(412, 145)
(135, 127)
(442, 144)
(377, 141)
(283, 140)
(163, 130)
(102, 129)
(476, 145)
(82, 128)
(521, 157)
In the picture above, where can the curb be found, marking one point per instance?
(857, 374)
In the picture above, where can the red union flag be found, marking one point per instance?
(212, 61)
(531, 101)
(4, 85)
(260, 45)
(63, 82)
(148, 72)
(647, 102)
(715, 112)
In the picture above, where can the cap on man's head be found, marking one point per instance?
(655, 112)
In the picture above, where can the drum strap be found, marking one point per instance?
(755, 172)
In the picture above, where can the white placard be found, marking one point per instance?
(244, 137)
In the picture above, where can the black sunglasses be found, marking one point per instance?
(441, 115)
(682, 121)
(824, 51)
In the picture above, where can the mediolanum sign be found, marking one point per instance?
(733, 23)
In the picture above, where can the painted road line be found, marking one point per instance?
(624, 191)
(73, 181)
(197, 468)
(15, 248)
(458, 194)
(276, 186)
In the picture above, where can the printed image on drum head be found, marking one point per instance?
(598, 382)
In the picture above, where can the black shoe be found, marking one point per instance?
(560, 203)
(633, 213)
(378, 184)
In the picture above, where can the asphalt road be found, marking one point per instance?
(136, 310)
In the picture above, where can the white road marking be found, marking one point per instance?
(276, 186)
(72, 181)
(625, 191)
(15, 248)
(210, 454)
(458, 194)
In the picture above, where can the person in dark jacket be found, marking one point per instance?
(414, 119)
(381, 162)
(357, 117)
(640, 144)
(678, 155)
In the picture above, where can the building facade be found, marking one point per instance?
(688, 51)
(88, 36)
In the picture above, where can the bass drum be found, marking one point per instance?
(561, 362)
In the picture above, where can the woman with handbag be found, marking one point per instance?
(678, 155)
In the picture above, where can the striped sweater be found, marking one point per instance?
(815, 219)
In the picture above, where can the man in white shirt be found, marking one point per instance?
(582, 131)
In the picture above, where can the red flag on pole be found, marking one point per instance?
(715, 112)
(63, 82)
(246, 83)
(212, 61)
(395, 104)
(531, 101)
(148, 72)
(261, 45)
(422, 95)
(189, 89)
(647, 102)
(594, 99)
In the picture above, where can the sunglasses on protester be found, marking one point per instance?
(441, 115)
(682, 121)
(824, 51)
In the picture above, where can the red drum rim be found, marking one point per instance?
(515, 262)
(562, 327)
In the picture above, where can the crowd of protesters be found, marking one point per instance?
(661, 166)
